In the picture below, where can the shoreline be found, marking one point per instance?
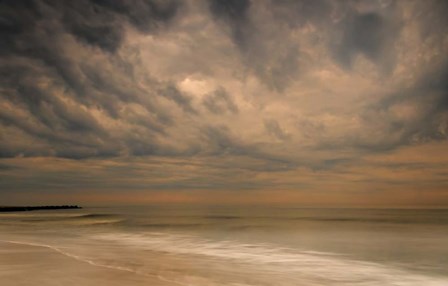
(24, 263)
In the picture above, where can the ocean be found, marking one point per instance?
(232, 245)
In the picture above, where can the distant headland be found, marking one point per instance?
(36, 208)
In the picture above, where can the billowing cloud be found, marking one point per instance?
(258, 94)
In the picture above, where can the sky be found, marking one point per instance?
(307, 103)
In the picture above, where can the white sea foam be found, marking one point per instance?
(196, 261)
(311, 268)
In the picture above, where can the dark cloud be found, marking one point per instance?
(220, 102)
(275, 68)
(222, 94)
(45, 116)
(275, 130)
(145, 15)
(416, 115)
(182, 100)
(97, 23)
(220, 141)
(101, 22)
(16, 18)
(91, 24)
(432, 18)
(297, 13)
(78, 94)
(430, 97)
(235, 14)
(427, 100)
(270, 54)
(56, 91)
(363, 33)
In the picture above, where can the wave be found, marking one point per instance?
(95, 215)
(264, 264)
(66, 219)
(94, 219)
(38, 215)
(328, 268)
(246, 263)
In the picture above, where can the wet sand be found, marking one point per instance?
(26, 265)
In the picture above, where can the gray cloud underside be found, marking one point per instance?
(259, 79)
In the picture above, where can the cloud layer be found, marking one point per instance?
(275, 90)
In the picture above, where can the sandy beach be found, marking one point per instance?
(23, 265)
(184, 246)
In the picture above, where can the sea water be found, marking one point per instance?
(240, 245)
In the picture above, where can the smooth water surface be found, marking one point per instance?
(216, 245)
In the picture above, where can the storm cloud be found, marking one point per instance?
(262, 87)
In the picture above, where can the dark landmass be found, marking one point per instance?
(36, 208)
